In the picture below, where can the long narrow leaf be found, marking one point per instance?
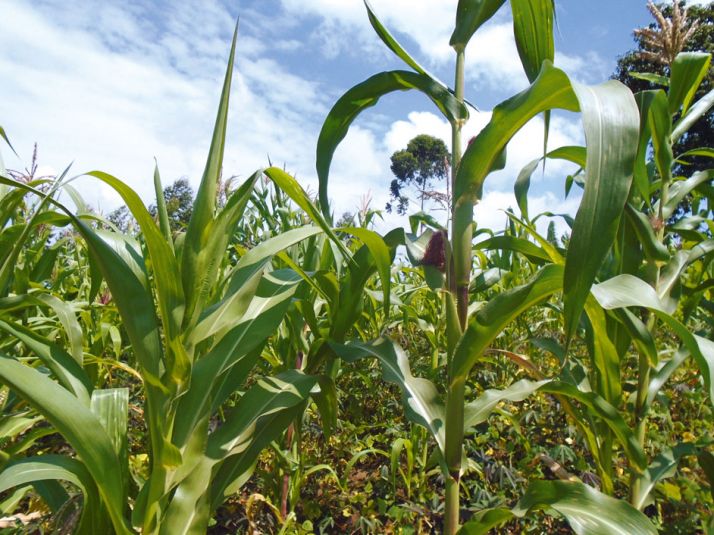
(367, 94)
(80, 427)
(490, 320)
(470, 16)
(420, 397)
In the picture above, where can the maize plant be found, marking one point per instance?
(223, 335)
(611, 122)
(196, 329)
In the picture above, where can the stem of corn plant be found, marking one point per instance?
(645, 369)
(455, 397)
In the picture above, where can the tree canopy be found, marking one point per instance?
(652, 54)
(420, 165)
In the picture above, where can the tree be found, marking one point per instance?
(122, 219)
(675, 30)
(424, 161)
(179, 203)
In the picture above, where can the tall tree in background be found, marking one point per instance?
(676, 29)
(179, 203)
(420, 165)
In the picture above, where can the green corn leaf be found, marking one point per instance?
(533, 30)
(68, 319)
(552, 89)
(478, 411)
(629, 291)
(16, 424)
(161, 207)
(662, 375)
(381, 256)
(426, 219)
(641, 176)
(391, 42)
(680, 189)
(65, 314)
(9, 259)
(420, 397)
(484, 280)
(470, 16)
(262, 317)
(611, 122)
(51, 467)
(661, 467)
(78, 425)
(194, 271)
(603, 353)
(269, 395)
(706, 152)
(654, 249)
(293, 189)
(672, 271)
(7, 140)
(588, 511)
(120, 261)
(259, 417)
(651, 78)
(53, 494)
(167, 278)
(660, 124)
(365, 95)
(695, 112)
(599, 407)
(67, 371)
(111, 407)
(688, 71)
(527, 248)
(226, 313)
(327, 405)
(346, 296)
(573, 154)
(642, 338)
(82, 207)
(490, 320)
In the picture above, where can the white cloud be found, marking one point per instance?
(424, 28)
(113, 95)
(110, 89)
(361, 165)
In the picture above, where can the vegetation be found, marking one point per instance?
(694, 32)
(260, 369)
(425, 160)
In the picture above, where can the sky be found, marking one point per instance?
(112, 84)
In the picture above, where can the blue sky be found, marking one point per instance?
(111, 84)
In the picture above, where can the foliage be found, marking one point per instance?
(178, 200)
(259, 370)
(424, 161)
(701, 39)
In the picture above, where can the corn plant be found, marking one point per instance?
(611, 123)
(648, 267)
(645, 273)
(196, 329)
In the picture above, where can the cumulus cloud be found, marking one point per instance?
(424, 27)
(110, 87)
